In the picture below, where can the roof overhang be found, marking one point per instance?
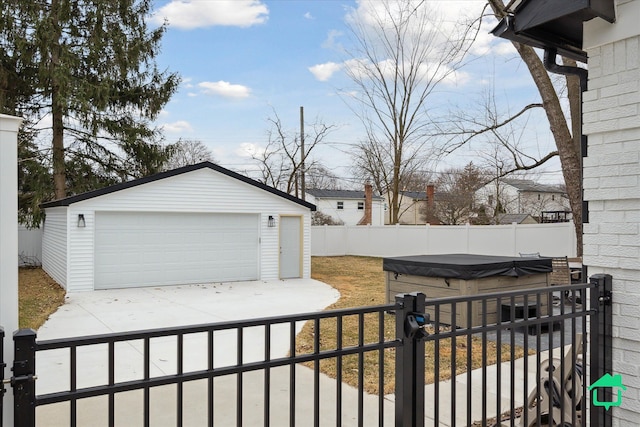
(553, 24)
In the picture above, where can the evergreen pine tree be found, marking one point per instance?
(89, 66)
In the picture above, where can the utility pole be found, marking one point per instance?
(303, 187)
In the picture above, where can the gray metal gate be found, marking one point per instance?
(548, 386)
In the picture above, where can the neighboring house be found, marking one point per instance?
(349, 207)
(413, 207)
(611, 163)
(515, 218)
(412, 204)
(196, 224)
(521, 196)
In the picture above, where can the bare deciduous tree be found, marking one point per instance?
(281, 160)
(400, 55)
(567, 140)
(188, 152)
(454, 201)
(320, 177)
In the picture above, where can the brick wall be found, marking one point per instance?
(611, 116)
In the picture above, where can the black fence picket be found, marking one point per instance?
(527, 320)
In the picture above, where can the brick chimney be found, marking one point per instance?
(430, 217)
(368, 201)
(431, 190)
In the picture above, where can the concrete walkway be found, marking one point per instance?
(102, 312)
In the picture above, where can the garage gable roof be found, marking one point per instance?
(204, 165)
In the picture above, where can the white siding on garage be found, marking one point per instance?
(54, 245)
(81, 247)
(199, 191)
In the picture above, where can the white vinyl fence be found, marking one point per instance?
(29, 246)
(398, 240)
(557, 239)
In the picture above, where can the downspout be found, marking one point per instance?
(550, 64)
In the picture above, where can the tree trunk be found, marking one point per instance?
(575, 107)
(568, 146)
(59, 174)
(567, 150)
(57, 110)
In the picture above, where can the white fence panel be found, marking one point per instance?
(401, 240)
(449, 239)
(552, 240)
(29, 246)
(493, 240)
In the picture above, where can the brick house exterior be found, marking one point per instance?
(606, 35)
(611, 119)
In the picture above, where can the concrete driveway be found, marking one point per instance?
(118, 310)
(102, 312)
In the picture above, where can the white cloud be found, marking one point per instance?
(445, 21)
(177, 127)
(188, 14)
(332, 40)
(503, 48)
(248, 150)
(308, 15)
(225, 89)
(186, 82)
(218, 152)
(323, 72)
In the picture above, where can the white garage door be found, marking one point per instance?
(152, 249)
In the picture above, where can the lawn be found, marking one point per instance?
(38, 297)
(360, 281)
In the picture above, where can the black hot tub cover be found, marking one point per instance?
(466, 266)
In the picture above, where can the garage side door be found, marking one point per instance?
(154, 249)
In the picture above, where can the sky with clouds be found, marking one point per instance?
(243, 60)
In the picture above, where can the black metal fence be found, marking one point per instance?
(239, 371)
(513, 358)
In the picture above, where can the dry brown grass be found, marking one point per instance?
(38, 296)
(360, 281)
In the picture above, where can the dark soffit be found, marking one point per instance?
(553, 24)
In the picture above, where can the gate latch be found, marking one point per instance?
(605, 298)
(414, 325)
(19, 379)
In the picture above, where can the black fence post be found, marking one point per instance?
(409, 392)
(23, 380)
(600, 351)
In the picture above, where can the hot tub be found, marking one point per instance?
(452, 275)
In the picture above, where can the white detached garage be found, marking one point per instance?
(197, 224)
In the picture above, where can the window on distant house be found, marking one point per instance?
(538, 197)
(340, 205)
(360, 206)
(553, 197)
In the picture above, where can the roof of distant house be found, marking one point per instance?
(528, 185)
(339, 194)
(511, 218)
(416, 195)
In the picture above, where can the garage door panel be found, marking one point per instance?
(152, 249)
